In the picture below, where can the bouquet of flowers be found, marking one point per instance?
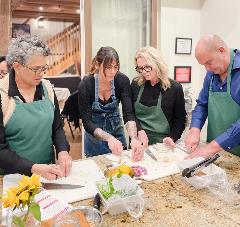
(22, 197)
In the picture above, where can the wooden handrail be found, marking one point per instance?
(65, 49)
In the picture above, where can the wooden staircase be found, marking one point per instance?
(65, 50)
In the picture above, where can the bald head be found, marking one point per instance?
(209, 43)
(212, 52)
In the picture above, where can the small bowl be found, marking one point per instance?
(93, 215)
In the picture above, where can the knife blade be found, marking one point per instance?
(50, 186)
(150, 154)
(180, 147)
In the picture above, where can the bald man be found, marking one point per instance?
(219, 99)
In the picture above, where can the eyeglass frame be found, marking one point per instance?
(3, 72)
(140, 69)
(40, 70)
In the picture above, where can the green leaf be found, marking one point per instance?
(34, 209)
(18, 221)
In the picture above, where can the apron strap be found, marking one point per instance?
(229, 78)
(96, 87)
(140, 94)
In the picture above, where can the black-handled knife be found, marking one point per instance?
(189, 172)
(97, 201)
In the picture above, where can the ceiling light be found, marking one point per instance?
(40, 23)
(78, 11)
(40, 8)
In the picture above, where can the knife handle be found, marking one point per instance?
(97, 201)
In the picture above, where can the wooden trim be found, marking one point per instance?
(86, 35)
(154, 23)
(5, 28)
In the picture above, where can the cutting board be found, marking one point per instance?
(166, 165)
(83, 172)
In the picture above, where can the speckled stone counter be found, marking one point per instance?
(172, 202)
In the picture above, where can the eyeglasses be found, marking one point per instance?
(146, 68)
(3, 72)
(38, 69)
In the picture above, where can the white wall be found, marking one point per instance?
(222, 18)
(180, 22)
(181, 18)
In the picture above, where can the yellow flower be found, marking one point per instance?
(24, 183)
(24, 196)
(34, 181)
(30, 183)
(10, 199)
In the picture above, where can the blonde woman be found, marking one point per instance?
(158, 101)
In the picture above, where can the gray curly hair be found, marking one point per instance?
(24, 47)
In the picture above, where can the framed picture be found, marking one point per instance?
(20, 29)
(183, 46)
(182, 74)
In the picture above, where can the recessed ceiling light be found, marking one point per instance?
(78, 10)
(40, 8)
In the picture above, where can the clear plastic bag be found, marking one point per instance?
(128, 196)
(134, 206)
(213, 178)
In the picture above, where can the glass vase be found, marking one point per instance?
(29, 221)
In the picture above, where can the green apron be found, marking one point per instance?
(152, 119)
(222, 110)
(29, 130)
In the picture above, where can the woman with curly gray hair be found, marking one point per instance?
(158, 101)
(30, 123)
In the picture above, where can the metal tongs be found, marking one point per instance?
(191, 171)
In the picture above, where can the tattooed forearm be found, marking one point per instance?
(101, 135)
(132, 129)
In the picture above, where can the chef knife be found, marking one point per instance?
(50, 186)
(189, 172)
(150, 154)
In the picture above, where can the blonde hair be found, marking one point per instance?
(154, 59)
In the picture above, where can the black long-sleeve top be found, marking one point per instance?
(87, 96)
(173, 104)
(9, 160)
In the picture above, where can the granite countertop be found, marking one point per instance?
(172, 202)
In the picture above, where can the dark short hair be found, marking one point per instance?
(2, 58)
